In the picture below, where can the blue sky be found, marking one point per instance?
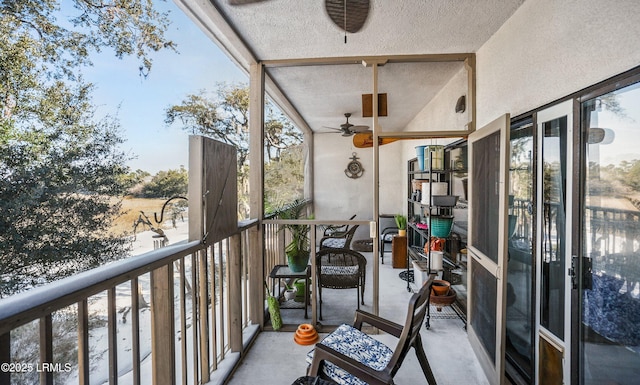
(140, 104)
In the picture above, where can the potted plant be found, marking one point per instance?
(298, 249)
(401, 223)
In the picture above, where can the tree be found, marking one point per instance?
(166, 184)
(132, 180)
(283, 178)
(59, 163)
(225, 117)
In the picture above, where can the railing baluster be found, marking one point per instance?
(5, 356)
(221, 273)
(112, 336)
(83, 342)
(183, 324)
(194, 316)
(135, 330)
(46, 349)
(203, 315)
(234, 266)
(214, 320)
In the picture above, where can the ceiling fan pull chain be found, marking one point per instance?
(345, 21)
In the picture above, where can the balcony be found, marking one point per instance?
(196, 310)
(186, 313)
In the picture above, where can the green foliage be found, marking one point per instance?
(56, 184)
(299, 233)
(401, 221)
(59, 164)
(283, 178)
(224, 116)
(132, 179)
(166, 184)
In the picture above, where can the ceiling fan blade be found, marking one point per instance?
(359, 128)
(356, 13)
(334, 128)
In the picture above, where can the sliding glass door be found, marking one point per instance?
(609, 283)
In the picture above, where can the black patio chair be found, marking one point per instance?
(349, 356)
(332, 229)
(341, 269)
(338, 240)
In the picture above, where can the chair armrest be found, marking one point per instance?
(324, 353)
(335, 230)
(392, 229)
(383, 324)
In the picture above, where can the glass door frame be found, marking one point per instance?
(564, 345)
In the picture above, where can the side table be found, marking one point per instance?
(399, 252)
(282, 272)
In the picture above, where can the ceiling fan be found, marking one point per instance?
(348, 15)
(348, 129)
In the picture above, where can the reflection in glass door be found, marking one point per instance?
(610, 263)
(554, 183)
(520, 266)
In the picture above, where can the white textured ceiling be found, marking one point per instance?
(300, 29)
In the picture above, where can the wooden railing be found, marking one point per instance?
(175, 312)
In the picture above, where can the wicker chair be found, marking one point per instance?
(333, 229)
(389, 230)
(341, 269)
(338, 240)
(350, 357)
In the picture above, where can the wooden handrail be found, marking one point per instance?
(22, 308)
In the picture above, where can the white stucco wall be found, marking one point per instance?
(551, 48)
(339, 197)
(439, 114)
(548, 49)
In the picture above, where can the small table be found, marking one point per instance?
(283, 271)
(399, 252)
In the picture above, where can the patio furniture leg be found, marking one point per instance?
(424, 362)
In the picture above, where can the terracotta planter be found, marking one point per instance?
(440, 287)
(443, 300)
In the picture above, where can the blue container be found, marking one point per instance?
(420, 155)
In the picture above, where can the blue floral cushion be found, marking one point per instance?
(357, 345)
(334, 243)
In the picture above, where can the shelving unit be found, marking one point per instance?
(423, 211)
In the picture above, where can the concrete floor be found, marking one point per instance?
(276, 359)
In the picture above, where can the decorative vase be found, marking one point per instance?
(402, 233)
(298, 262)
